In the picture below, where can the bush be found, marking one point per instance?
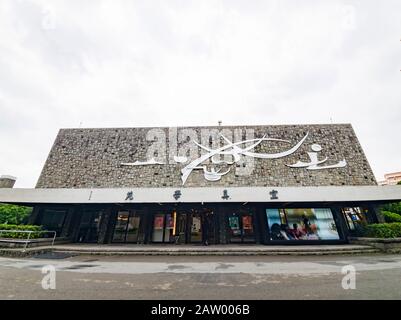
(383, 230)
(391, 216)
(19, 235)
(392, 207)
(13, 214)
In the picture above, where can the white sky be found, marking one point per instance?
(168, 63)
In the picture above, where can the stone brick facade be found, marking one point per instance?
(91, 158)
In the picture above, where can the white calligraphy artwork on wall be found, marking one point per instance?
(232, 153)
(314, 163)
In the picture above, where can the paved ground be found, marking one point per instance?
(202, 277)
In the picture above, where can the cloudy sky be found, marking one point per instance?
(168, 63)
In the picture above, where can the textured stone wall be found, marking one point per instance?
(91, 158)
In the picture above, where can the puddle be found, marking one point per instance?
(176, 267)
(80, 266)
(53, 255)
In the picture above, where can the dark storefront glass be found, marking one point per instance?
(240, 226)
(90, 226)
(129, 227)
(354, 217)
(121, 226)
(163, 227)
(196, 227)
(301, 224)
(180, 228)
(53, 220)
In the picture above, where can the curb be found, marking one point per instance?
(38, 251)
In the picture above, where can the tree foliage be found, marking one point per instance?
(392, 207)
(12, 214)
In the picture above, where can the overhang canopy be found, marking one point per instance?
(205, 194)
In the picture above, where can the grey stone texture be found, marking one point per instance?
(7, 182)
(91, 158)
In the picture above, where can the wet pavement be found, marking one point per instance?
(202, 277)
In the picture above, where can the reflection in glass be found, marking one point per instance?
(169, 228)
(241, 227)
(158, 224)
(133, 229)
(121, 226)
(196, 228)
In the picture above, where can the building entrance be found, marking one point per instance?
(241, 226)
(184, 226)
(129, 227)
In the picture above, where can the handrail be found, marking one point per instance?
(29, 235)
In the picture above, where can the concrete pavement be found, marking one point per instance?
(202, 277)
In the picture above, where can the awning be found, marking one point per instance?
(205, 194)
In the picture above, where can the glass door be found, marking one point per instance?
(121, 226)
(163, 227)
(133, 229)
(241, 227)
(129, 227)
(248, 234)
(234, 227)
(180, 227)
(196, 227)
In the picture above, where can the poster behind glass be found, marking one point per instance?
(158, 223)
(302, 224)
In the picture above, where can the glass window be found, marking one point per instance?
(129, 227)
(158, 225)
(121, 226)
(301, 224)
(354, 217)
(196, 228)
(133, 228)
(240, 226)
(169, 228)
(90, 226)
(53, 220)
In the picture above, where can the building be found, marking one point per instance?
(391, 179)
(292, 184)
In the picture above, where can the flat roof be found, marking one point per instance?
(203, 194)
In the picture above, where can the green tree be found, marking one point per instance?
(12, 214)
(399, 182)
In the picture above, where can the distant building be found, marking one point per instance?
(391, 179)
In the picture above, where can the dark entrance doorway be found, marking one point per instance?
(129, 227)
(241, 226)
(184, 226)
(196, 226)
